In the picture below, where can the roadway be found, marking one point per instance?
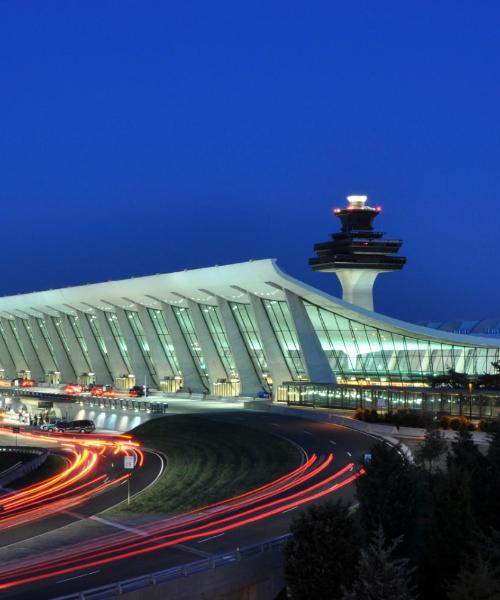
(21, 525)
(132, 551)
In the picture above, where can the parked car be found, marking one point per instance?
(136, 392)
(82, 426)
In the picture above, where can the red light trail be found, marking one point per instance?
(309, 482)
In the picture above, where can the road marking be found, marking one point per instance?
(308, 432)
(210, 538)
(78, 576)
(276, 424)
(116, 525)
(289, 509)
(332, 442)
(349, 453)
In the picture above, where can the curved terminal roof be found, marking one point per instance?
(233, 282)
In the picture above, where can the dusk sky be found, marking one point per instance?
(148, 137)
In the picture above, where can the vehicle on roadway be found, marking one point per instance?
(100, 390)
(136, 391)
(82, 426)
(73, 388)
(19, 382)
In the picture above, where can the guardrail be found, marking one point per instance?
(12, 474)
(125, 404)
(205, 564)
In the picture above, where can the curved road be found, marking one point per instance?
(183, 539)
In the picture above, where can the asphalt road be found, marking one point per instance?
(346, 445)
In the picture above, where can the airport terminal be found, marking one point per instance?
(248, 330)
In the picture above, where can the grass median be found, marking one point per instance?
(208, 461)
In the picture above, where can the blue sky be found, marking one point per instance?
(146, 137)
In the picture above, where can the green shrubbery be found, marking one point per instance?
(413, 418)
(426, 531)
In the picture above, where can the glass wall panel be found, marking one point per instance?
(161, 328)
(186, 324)
(284, 330)
(96, 331)
(62, 334)
(46, 337)
(140, 336)
(13, 328)
(248, 329)
(2, 333)
(29, 331)
(214, 325)
(360, 351)
(73, 321)
(120, 342)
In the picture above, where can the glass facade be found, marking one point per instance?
(362, 353)
(15, 333)
(46, 337)
(96, 331)
(73, 321)
(29, 331)
(140, 336)
(284, 329)
(62, 334)
(477, 404)
(359, 351)
(118, 337)
(214, 325)
(251, 337)
(2, 333)
(160, 326)
(186, 324)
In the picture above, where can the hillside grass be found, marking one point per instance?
(208, 461)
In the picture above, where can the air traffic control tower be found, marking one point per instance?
(357, 254)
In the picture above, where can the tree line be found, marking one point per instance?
(425, 530)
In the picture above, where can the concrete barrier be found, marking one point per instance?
(39, 457)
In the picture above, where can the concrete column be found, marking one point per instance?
(190, 377)
(77, 356)
(14, 348)
(315, 360)
(214, 364)
(44, 352)
(10, 371)
(250, 382)
(68, 374)
(272, 351)
(30, 353)
(118, 366)
(163, 367)
(137, 362)
(98, 364)
(357, 286)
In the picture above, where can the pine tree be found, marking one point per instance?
(380, 576)
(320, 555)
(479, 580)
(387, 494)
(451, 530)
(487, 480)
(433, 446)
(465, 454)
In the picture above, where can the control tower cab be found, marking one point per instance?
(357, 254)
